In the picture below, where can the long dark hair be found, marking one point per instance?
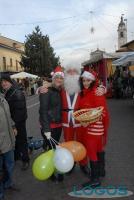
(82, 86)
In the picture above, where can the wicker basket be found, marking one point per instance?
(88, 115)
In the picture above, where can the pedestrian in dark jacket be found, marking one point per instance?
(17, 104)
(7, 144)
(50, 113)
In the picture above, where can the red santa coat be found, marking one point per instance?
(68, 108)
(91, 100)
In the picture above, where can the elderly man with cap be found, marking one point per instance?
(17, 104)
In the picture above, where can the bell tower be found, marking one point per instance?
(122, 32)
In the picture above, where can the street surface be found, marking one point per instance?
(119, 156)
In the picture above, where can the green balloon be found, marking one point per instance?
(43, 166)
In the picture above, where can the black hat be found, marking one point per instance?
(6, 78)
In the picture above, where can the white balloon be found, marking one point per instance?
(63, 160)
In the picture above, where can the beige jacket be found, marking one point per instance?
(7, 138)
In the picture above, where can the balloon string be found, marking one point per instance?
(55, 141)
(51, 143)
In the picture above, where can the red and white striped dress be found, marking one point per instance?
(89, 99)
(96, 128)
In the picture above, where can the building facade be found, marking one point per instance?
(128, 46)
(101, 62)
(10, 55)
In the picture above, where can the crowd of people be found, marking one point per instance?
(68, 92)
(120, 84)
(30, 85)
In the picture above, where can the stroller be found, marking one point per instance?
(34, 144)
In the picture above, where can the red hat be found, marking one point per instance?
(94, 73)
(88, 75)
(57, 71)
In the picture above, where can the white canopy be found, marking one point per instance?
(124, 60)
(22, 75)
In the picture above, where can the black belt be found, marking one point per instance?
(68, 110)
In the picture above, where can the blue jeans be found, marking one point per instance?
(6, 171)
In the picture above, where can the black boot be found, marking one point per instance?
(57, 178)
(53, 178)
(85, 170)
(60, 177)
(94, 181)
(101, 160)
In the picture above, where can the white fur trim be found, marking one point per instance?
(67, 125)
(88, 75)
(58, 73)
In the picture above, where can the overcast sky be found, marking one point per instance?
(68, 24)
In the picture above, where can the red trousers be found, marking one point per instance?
(72, 133)
(93, 144)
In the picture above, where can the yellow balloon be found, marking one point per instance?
(43, 166)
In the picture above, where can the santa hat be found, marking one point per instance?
(89, 75)
(73, 66)
(57, 72)
(94, 73)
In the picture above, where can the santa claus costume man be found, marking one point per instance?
(70, 103)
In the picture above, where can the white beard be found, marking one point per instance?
(71, 84)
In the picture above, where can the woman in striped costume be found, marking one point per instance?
(95, 134)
